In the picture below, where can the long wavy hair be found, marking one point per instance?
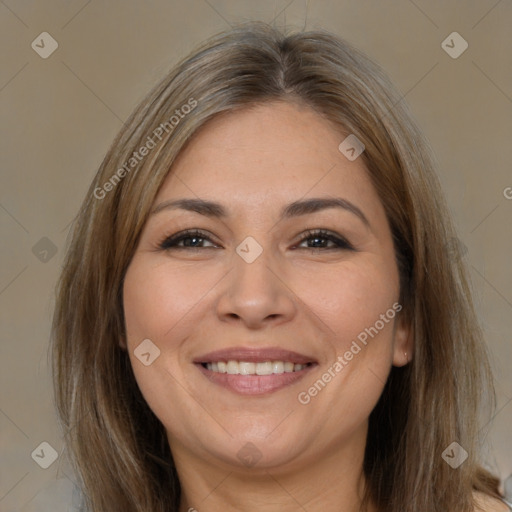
(118, 447)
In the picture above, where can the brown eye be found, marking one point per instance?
(191, 240)
(319, 238)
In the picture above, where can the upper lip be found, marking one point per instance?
(258, 355)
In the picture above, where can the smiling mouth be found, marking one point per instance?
(232, 367)
(256, 378)
(254, 371)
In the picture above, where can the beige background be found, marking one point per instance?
(60, 114)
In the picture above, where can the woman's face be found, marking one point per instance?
(235, 310)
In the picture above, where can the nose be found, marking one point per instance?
(256, 294)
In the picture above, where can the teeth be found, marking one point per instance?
(245, 368)
(248, 368)
(277, 367)
(264, 368)
(232, 368)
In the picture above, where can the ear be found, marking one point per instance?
(403, 343)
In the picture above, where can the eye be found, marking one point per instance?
(194, 239)
(320, 235)
(191, 238)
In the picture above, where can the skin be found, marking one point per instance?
(313, 301)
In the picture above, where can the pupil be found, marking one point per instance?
(191, 238)
(316, 239)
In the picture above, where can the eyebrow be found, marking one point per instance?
(297, 208)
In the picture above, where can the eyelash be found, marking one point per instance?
(170, 242)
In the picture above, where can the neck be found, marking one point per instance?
(327, 482)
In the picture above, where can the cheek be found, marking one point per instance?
(163, 303)
(359, 306)
(158, 298)
(158, 302)
(352, 298)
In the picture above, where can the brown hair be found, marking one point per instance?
(118, 446)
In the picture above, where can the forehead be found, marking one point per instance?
(267, 155)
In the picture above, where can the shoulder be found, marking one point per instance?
(488, 504)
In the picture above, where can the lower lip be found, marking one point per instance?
(254, 384)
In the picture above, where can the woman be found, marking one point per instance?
(260, 308)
